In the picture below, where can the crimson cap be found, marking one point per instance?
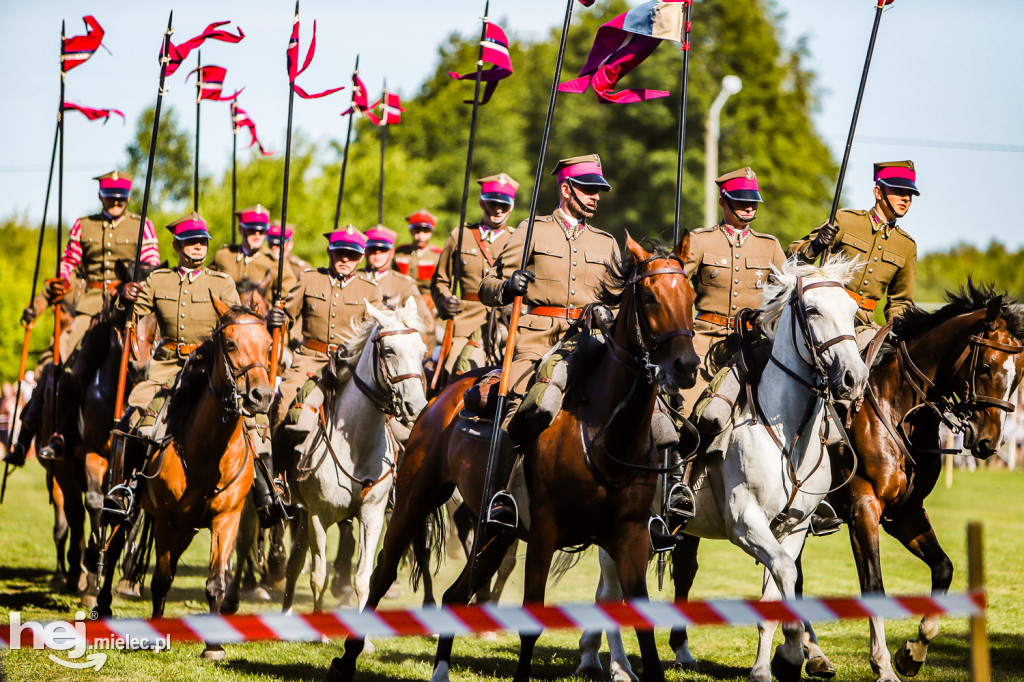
(501, 188)
(189, 226)
(421, 218)
(348, 238)
(897, 175)
(274, 233)
(255, 218)
(740, 185)
(582, 171)
(115, 185)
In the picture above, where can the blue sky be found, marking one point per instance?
(940, 91)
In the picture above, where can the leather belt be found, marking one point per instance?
(182, 349)
(319, 346)
(470, 296)
(554, 311)
(720, 320)
(863, 302)
(108, 284)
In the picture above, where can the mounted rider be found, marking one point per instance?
(481, 243)
(251, 260)
(182, 299)
(419, 258)
(99, 247)
(395, 288)
(274, 242)
(567, 262)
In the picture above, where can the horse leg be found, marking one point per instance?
(864, 520)
(914, 530)
(248, 531)
(817, 664)
(540, 549)
(277, 559)
(74, 511)
(341, 581)
(59, 581)
(115, 545)
(300, 545)
(95, 471)
(631, 552)
(684, 570)
(508, 564)
(609, 588)
(129, 585)
(223, 533)
(370, 524)
(317, 537)
(171, 541)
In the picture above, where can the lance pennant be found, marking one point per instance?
(78, 49)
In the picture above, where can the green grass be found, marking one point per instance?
(725, 653)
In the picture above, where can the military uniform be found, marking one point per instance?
(297, 265)
(419, 264)
(394, 289)
(232, 260)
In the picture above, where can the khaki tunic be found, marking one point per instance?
(298, 266)
(726, 278)
(889, 256)
(395, 289)
(569, 275)
(185, 315)
(230, 260)
(419, 264)
(475, 262)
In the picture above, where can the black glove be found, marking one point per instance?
(449, 308)
(275, 318)
(826, 235)
(516, 285)
(55, 289)
(28, 316)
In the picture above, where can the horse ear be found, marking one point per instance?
(372, 312)
(220, 306)
(995, 308)
(264, 286)
(638, 252)
(259, 304)
(682, 249)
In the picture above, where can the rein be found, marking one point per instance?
(232, 402)
(388, 402)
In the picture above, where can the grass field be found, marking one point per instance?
(994, 497)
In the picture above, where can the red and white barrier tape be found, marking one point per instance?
(466, 620)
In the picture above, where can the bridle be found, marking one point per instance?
(384, 394)
(232, 401)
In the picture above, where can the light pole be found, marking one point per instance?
(730, 86)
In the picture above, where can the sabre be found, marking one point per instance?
(506, 365)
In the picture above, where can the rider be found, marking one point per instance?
(97, 244)
(728, 266)
(567, 262)
(889, 254)
(481, 242)
(418, 259)
(251, 260)
(274, 239)
(395, 288)
(182, 299)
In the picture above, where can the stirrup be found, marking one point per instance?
(119, 501)
(824, 520)
(662, 540)
(503, 511)
(53, 451)
(681, 501)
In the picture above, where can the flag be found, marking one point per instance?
(294, 70)
(240, 119)
(94, 114)
(360, 100)
(178, 53)
(495, 53)
(391, 110)
(587, 3)
(78, 49)
(211, 83)
(622, 44)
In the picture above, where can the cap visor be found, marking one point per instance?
(498, 197)
(378, 244)
(192, 234)
(255, 227)
(900, 183)
(275, 240)
(743, 195)
(114, 193)
(346, 246)
(590, 181)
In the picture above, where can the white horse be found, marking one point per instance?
(774, 470)
(349, 470)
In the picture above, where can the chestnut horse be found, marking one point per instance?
(599, 446)
(201, 477)
(956, 366)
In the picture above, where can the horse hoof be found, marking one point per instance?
(395, 591)
(784, 671)
(904, 662)
(258, 593)
(214, 652)
(127, 588)
(58, 582)
(229, 607)
(89, 601)
(820, 667)
(687, 666)
(590, 672)
(368, 648)
(340, 671)
(343, 592)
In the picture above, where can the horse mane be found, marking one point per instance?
(915, 321)
(248, 286)
(362, 332)
(783, 281)
(620, 270)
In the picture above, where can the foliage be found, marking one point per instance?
(17, 262)
(942, 271)
(172, 167)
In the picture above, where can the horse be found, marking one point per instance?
(956, 366)
(775, 469)
(608, 410)
(348, 470)
(202, 474)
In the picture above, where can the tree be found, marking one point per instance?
(172, 167)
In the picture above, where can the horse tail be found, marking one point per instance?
(428, 543)
(564, 561)
(139, 554)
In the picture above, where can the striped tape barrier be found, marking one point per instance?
(467, 620)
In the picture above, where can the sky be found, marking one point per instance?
(939, 92)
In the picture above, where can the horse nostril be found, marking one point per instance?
(256, 394)
(848, 379)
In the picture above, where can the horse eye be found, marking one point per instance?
(811, 310)
(231, 346)
(649, 298)
(984, 369)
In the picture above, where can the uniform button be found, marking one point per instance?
(735, 293)
(737, 255)
(734, 307)
(735, 281)
(572, 291)
(183, 304)
(871, 269)
(875, 258)
(334, 314)
(184, 291)
(181, 327)
(574, 249)
(183, 314)
(574, 278)
(879, 247)
(332, 326)
(574, 263)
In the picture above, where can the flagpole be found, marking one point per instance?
(449, 329)
(383, 147)
(677, 224)
(234, 177)
(199, 93)
(130, 326)
(275, 356)
(344, 156)
(513, 325)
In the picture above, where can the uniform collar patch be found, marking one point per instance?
(735, 237)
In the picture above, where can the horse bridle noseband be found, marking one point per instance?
(233, 401)
(389, 402)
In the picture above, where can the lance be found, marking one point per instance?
(879, 6)
(449, 329)
(199, 96)
(60, 220)
(234, 177)
(275, 354)
(130, 326)
(344, 157)
(513, 325)
(31, 300)
(681, 144)
(383, 147)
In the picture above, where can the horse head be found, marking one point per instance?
(399, 349)
(657, 298)
(810, 308)
(240, 375)
(250, 290)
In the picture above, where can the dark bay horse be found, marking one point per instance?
(599, 447)
(201, 476)
(959, 366)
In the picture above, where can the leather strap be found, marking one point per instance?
(720, 320)
(182, 349)
(475, 231)
(470, 296)
(108, 284)
(863, 302)
(319, 346)
(554, 311)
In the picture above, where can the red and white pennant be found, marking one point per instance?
(466, 620)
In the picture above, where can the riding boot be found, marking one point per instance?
(65, 437)
(825, 520)
(543, 401)
(131, 452)
(31, 417)
(502, 510)
(270, 507)
(681, 500)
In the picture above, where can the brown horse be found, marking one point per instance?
(599, 447)
(955, 366)
(201, 476)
